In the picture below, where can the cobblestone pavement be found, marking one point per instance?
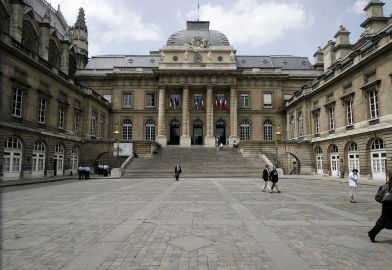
(191, 224)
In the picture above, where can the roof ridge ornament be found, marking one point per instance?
(198, 43)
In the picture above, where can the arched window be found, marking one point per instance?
(12, 158)
(378, 157)
(292, 127)
(127, 130)
(4, 20)
(38, 159)
(54, 57)
(59, 159)
(300, 121)
(30, 38)
(335, 163)
(72, 63)
(245, 130)
(353, 157)
(319, 160)
(150, 130)
(74, 159)
(267, 126)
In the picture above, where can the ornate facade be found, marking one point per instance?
(58, 107)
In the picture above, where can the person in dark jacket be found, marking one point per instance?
(177, 171)
(266, 177)
(385, 220)
(274, 179)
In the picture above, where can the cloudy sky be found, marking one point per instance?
(253, 27)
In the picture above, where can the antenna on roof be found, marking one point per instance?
(198, 10)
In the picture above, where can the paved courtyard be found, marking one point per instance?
(191, 224)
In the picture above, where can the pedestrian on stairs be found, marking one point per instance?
(266, 177)
(177, 171)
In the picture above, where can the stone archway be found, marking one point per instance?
(302, 155)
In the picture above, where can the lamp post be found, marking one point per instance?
(278, 134)
(116, 133)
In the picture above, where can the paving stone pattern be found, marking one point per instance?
(197, 223)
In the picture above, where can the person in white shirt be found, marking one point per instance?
(353, 184)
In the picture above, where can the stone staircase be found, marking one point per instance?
(196, 162)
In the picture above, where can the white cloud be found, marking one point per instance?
(358, 6)
(111, 21)
(251, 22)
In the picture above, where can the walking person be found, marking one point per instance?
(385, 220)
(105, 170)
(80, 172)
(274, 176)
(353, 184)
(266, 177)
(177, 171)
(87, 172)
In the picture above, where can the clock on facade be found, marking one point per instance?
(197, 58)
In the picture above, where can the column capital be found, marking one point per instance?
(233, 86)
(161, 86)
(185, 85)
(209, 86)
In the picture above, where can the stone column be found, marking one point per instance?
(209, 139)
(233, 117)
(65, 56)
(17, 13)
(185, 139)
(44, 40)
(161, 138)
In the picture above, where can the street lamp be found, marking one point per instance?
(116, 133)
(278, 134)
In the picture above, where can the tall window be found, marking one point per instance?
(93, 130)
(292, 127)
(349, 113)
(61, 116)
(74, 158)
(12, 158)
(331, 118)
(150, 130)
(335, 163)
(38, 159)
(267, 101)
(42, 110)
(127, 100)
(245, 130)
(150, 100)
(373, 104)
(316, 123)
(300, 121)
(319, 160)
(76, 120)
(17, 102)
(353, 157)
(127, 130)
(101, 126)
(268, 130)
(244, 101)
(378, 157)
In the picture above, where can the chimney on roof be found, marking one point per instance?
(329, 54)
(319, 59)
(343, 46)
(375, 19)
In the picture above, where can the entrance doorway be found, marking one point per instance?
(335, 164)
(221, 131)
(197, 132)
(175, 132)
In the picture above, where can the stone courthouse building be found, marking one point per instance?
(59, 108)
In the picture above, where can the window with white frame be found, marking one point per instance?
(292, 127)
(12, 157)
(17, 102)
(127, 100)
(93, 130)
(353, 157)
(378, 157)
(244, 101)
(150, 130)
(349, 112)
(267, 100)
(61, 116)
(373, 104)
(300, 120)
(42, 104)
(150, 100)
(127, 130)
(74, 158)
(331, 118)
(267, 130)
(245, 130)
(319, 160)
(38, 159)
(77, 120)
(316, 118)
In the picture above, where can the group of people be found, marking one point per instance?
(103, 169)
(270, 174)
(84, 172)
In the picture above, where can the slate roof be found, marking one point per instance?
(285, 62)
(112, 61)
(57, 20)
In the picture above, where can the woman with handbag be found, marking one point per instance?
(384, 196)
